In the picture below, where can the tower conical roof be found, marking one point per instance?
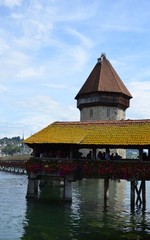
(104, 79)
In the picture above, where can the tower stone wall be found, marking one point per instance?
(95, 113)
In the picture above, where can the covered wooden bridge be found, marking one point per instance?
(61, 149)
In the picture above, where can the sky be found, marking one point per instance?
(49, 47)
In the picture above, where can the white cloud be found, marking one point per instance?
(83, 40)
(56, 86)
(3, 88)
(125, 28)
(79, 58)
(11, 3)
(16, 58)
(140, 104)
(34, 24)
(12, 64)
(30, 72)
(36, 113)
(3, 47)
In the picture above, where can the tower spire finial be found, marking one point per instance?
(100, 59)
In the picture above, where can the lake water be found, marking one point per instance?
(86, 218)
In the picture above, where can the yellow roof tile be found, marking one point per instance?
(127, 132)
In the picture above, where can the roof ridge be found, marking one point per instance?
(101, 122)
(99, 82)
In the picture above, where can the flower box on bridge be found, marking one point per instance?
(128, 169)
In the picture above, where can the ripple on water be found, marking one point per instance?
(12, 205)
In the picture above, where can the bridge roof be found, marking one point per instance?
(123, 133)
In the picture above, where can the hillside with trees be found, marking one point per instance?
(13, 146)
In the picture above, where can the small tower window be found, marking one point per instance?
(91, 113)
(108, 112)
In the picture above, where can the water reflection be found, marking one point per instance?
(87, 218)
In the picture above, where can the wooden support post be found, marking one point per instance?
(32, 186)
(30, 189)
(132, 195)
(106, 191)
(138, 194)
(144, 194)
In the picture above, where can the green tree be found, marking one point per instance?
(10, 150)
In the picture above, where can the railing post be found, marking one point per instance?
(149, 152)
(94, 153)
(141, 154)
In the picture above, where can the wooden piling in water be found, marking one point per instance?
(106, 191)
(138, 194)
